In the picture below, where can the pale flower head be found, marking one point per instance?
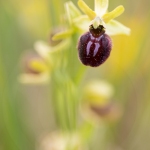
(60, 141)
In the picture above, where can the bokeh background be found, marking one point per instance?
(26, 111)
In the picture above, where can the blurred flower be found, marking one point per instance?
(97, 102)
(98, 92)
(38, 66)
(36, 69)
(60, 141)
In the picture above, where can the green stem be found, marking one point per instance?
(58, 101)
(72, 105)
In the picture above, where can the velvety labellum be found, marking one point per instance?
(94, 49)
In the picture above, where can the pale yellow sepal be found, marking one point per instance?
(34, 79)
(114, 28)
(88, 11)
(101, 7)
(113, 14)
(38, 66)
(62, 35)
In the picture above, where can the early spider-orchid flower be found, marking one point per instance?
(94, 47)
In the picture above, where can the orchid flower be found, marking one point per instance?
(38, 69)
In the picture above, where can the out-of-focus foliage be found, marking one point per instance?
(26, 113)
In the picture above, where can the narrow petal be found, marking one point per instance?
(101, 7)
(113, 14)
(62, 35)
(114, 27)
(72, 11)
(88, 11)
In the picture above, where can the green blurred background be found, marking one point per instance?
(25, 110)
